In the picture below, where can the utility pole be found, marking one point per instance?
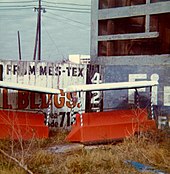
(38, 32)
(36, 41)
(19, 46)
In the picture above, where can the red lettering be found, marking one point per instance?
(44, 102)
(71, 103)
(5, 100)
(33, 105)
(23, 100)
(59, 100)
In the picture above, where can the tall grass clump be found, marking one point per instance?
(151, 148)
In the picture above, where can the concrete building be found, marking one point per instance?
(130, 40)
(79, 59)
(129, 28)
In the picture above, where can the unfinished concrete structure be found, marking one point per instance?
(130, 40)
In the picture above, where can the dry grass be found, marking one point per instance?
(151, 149)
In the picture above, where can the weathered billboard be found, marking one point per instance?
(63, 107)
(44, 74)
(125, 98)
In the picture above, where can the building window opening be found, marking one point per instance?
(122, 26)
(104, 4)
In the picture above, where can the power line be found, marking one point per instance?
(48, 2)
(52, 40)
(69, 19)
(51, 6)
(73, 11)
(62, 7)
(72, 4)
(16, 18)
(20, 8)
(77, 9)
(14, 6)
(10, 2)
(82, 28)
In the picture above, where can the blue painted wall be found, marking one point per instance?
(123, 73)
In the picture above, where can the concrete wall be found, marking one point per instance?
(141, 65)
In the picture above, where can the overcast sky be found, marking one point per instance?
(64, 31)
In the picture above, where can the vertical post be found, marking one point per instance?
(81, 110)
(49, 111)
(151, 104)
(147, 19)
(94, 30)
(19, 46)
(136, 98)
(36, 38)
(39, 36)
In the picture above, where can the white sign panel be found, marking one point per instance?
(44, 74)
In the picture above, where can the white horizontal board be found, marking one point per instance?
(17, 86)
(110, 86)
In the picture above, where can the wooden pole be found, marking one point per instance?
(39, 36)
(19, 46)
(36, 39)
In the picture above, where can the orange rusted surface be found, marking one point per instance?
(22, 125)
(111, 125)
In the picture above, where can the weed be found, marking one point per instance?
(150, 149)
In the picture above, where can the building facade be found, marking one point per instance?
(130, 40)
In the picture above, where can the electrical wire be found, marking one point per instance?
(69, 19)
(77, 9)
(73, 11)
(55, 9)
(10, 2)
(82, 28)
(16, 18)
(72, 4)
(21, 8)
(51, 6)
(68, 8)
(16, 6)
(53, 40)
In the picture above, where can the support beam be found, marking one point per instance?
(94, 29)
(147, 19)
(128, 36)
(151, 60)
(132, 11)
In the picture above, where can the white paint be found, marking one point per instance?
(166, 95)
(37, 76)
(110, 86)
(79, 59)
(96, 95)
(155, 77)
(137, 77)
(133, 78)
(162, 122)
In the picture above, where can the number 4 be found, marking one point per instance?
(96, 79)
